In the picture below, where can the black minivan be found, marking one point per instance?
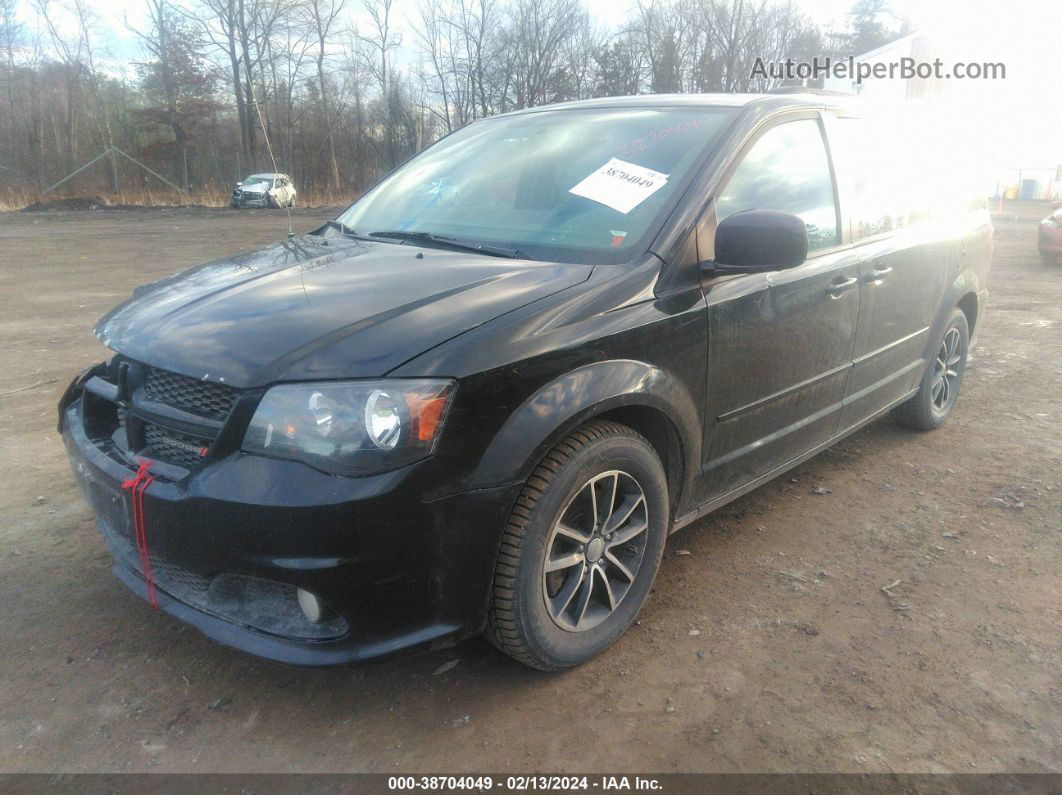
(481, 398)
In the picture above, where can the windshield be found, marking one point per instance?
(565, 185)
(257, 181)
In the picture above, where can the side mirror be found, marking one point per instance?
(754, 241)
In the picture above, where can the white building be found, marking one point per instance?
(1003, 131)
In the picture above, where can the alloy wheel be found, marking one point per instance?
(946, 370)
(595, 550)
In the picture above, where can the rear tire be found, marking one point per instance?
(574, 568)
(930, 407)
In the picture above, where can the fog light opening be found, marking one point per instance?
(316, 611)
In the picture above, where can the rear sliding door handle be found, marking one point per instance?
(837, 288)
(880, 272)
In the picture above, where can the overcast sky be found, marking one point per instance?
(959, 18)
(122, 44)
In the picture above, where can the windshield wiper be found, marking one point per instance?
(451, 242)
(345, 230)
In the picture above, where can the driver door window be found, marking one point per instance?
(787, 170)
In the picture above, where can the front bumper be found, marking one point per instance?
(248, 200)
(1050, 240)
(230, 544)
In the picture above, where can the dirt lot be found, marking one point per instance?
(770, 646)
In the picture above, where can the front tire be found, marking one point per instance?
(930, 407)
(581, 550)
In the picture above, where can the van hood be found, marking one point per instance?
(317, 308)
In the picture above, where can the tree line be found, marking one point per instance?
(340, 91)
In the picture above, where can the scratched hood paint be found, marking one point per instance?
(311, 307)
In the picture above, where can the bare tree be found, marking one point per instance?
(241, 29)
(354, 84)
(70, 56)
(288, 52)
(477, 22)
(538, 30)
(220, 22)
(323, 17)
(10, 39)
(435, 44)
(343, 104)
(381, 41)
(160, 43)
(578, 64)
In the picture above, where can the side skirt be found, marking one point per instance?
(740, 491)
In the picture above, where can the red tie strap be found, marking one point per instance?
(138, 485)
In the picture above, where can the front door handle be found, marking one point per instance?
(837, 288)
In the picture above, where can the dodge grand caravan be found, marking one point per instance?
(481, 397)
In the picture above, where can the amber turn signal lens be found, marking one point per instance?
(426, 414)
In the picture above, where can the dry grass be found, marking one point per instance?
(12, 198)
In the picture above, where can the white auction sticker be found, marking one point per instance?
(620, 185)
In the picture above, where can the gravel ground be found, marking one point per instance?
(769, 643)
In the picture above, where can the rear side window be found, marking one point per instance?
(883, 191)
(787, 169)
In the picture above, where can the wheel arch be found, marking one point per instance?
(966, 293)
(661, 433)
(969, 305)
(632, 393)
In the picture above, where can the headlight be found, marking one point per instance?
(383, 420)
(352, 427)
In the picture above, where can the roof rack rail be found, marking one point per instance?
(807, 90)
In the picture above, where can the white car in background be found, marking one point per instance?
(264, 190)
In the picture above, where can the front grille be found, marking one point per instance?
(204, 398)
(158, 400)
(176, 448)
